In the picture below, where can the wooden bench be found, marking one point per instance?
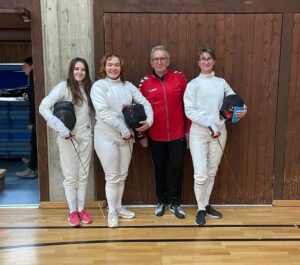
(2, 178)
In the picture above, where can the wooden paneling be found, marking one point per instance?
(200, 6)
(14, 52)
(247, 49)
(291, 177)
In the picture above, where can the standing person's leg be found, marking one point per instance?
(176, 158)
(109, 155)
(33, 153)
(199, 139)
(214, 158)
(159, 152)
(70, 171)
(29, 172)
(85, 153)
(125, 158)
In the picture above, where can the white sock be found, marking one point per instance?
(209, 186)
(80, 198)
(111, 190)
(71, 199)
(121, 186)
(199, 190)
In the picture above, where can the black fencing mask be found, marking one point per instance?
(228, 105)
(133, 114)
(64, 110)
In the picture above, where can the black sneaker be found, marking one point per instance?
(210, 211)
(200, 218)
(160, 209)
(177, 210)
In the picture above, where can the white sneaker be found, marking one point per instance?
(27, 173)
(112, 219)
(124, 213)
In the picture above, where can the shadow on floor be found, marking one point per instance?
(18, 190)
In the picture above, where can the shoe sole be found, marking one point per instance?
(113, 226)
(213, 216)
(85, 222)
(200, 225)
(73, 225)
(126, 216)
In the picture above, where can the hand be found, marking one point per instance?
(128, 138)
(144, 142)
(145, 126)
(187, 139)
(215, 133)
(71, 136)
(241, 113)
(25, 96)
(30, 126)
(57, 125)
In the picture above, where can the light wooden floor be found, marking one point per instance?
(245, 235)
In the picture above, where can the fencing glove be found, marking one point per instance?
(57, 125)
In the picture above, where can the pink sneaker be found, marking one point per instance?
(85, 217)
(74, 219)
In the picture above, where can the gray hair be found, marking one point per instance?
(160, 48)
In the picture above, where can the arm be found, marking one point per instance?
(190, 106)
(102, 108)
(139, 98)
(56, 94)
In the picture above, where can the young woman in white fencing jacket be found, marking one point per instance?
(202, 100)
(113, 139)
(76, 90)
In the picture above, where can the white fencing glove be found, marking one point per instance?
(215, 132)
(57, 125)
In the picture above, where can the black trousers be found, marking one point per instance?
(162, 153)
(33, 153)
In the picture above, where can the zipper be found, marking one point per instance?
(165, 98)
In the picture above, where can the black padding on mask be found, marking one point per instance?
(64, 110)
(133, 114)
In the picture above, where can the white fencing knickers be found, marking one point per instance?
(75, 181)
(206, 155)
(115, 159)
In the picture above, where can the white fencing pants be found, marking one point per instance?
(75, 177)
(115, 160)
(206, 155)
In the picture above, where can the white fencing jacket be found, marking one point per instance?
(203, 99)
(61, 92)
(108, 97)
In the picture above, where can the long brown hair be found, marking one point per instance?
(77, 97)
(102, 73)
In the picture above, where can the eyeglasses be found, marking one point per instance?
(162, 59)
(208, 59)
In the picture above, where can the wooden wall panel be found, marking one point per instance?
(247, 48)
(14, 52)
(291, 184)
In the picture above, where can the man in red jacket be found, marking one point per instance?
(164, 89)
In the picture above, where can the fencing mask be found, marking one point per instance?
(228, 105)
(133, 114)
(64, 110)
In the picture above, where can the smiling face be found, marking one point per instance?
(160, 62)
(113, 67)
(79, 72)
(206, 63)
